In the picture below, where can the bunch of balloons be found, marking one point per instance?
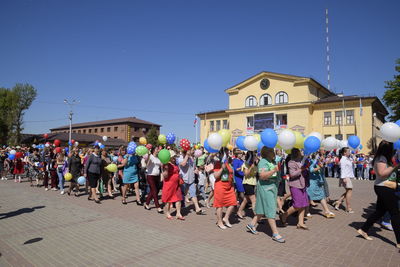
(170, 138)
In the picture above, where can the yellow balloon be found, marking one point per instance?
(112, 167)
(229, 146)
(299, 140)
(226, 136)
(143, 141)
(258, 137)
(68, 176)
(162, 139)
(288, 151)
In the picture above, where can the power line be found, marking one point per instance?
(46, 120)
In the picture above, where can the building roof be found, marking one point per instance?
(211, 112)
(290, 77)
(106, 122)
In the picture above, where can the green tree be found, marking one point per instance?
(7, 107)
(152, 136)
(392, 94)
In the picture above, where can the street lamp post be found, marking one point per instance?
(70, 104)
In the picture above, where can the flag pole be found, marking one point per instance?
(196, 129)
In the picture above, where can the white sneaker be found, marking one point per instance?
(54, 189)
(309, 215)
(62, 192)
(46, 189)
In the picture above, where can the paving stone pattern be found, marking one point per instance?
(63, 230)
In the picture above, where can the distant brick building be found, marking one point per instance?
(127, 129)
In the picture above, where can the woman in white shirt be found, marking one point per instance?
(346, 174)
(153, 178)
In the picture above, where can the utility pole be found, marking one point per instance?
(70, 104)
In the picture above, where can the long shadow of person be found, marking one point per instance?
(19, 212)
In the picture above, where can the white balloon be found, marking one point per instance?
(47, 144)
(390, 132)
(330, 143)
(12, 152)
(34, 146)
(316, 134)
(76, 143)
(215, 141)
(286, 139)
(343, 144)
(105, 138)
(250, 143)
(99, 144)
(18, 147)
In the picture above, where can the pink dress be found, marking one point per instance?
(171, 191)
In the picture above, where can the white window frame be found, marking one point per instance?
(251, 100)
(281, 96)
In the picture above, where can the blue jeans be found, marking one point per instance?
(360, 172)
(60, 180)
(202, 192)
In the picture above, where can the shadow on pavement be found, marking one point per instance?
(33, 240)
(19, 212)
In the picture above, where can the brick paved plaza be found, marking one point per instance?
(39, 228)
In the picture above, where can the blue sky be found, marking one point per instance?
(164, 61)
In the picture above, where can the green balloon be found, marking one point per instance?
(164, 156)
(141, 150)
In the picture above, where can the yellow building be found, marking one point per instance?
(278, 101)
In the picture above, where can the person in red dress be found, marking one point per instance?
(171, 191)
(224, 192)
(18, 169)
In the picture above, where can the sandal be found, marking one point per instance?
(252, 229)
(223, 227)
(181, 218)
(302, 227)
(169, 217)
(279, 240)
(200, 212)
(124, 202)
(364, 234)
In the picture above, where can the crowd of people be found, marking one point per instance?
(265, 186)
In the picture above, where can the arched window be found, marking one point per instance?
(251, 101)
(281, 98)
(265, 99)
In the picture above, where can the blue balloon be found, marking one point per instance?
(11, 156)
(131, 148)
(115, 158)
(354, 141)
(398, 122)
(170, 138)
(396, 145)
(102, 146)
(208, 148)
(240, 143)
(360, 147)
(260, 146)
(269, 138)
(70, 143)
(311, 144)
(66, 150)
(81, 180)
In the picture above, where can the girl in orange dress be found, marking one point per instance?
(224, 192)
(171, 191)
